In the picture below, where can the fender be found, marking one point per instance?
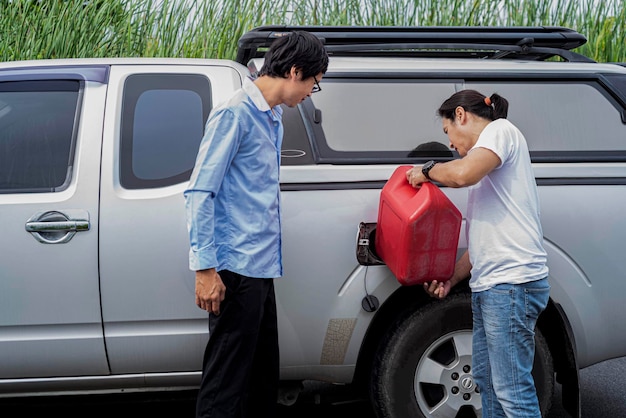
(558, 332)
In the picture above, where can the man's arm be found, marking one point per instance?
(467, 171)
(462, 270)
(217, 150)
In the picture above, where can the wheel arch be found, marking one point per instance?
(394, 307)
(558, 333)
(553, 324)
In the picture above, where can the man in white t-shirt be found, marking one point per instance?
(505, 261)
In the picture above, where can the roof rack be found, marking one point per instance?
(528, 43)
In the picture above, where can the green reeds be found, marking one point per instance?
(31, 29)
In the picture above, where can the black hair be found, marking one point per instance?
(432, 148)
(490, 108)
(301, 49)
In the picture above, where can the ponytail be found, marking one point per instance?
(500, 106)
(488, 107)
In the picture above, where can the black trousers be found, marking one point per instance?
(241, 361)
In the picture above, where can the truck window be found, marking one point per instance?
(163, 119)
(392, 120)
(382, 115)
(37, 135)
(563, 117)
(618, 83)
(296, 149)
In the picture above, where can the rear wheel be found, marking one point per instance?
(423, 367)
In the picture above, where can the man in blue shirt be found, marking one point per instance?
(233, 215)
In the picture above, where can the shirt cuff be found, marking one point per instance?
(202, 260)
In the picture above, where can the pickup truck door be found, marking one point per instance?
(50, 322)
(154, 124)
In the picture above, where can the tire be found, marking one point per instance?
(423, 365)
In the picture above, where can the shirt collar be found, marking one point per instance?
(255, 95)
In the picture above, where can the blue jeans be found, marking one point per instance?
(504, 347)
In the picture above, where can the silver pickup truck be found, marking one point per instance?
(95, 290)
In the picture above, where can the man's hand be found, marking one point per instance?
(415, 177)
(462, 270)
(210, 290)
(437, 289)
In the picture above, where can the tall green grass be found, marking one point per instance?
(31, 29)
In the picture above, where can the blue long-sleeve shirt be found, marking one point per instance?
(233, 196)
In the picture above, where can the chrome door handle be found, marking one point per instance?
(57, 226)
(54, 227)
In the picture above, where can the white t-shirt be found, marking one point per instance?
(505, 238)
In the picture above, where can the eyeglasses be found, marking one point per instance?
(316, 86)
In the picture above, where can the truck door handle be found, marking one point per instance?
(54, 227)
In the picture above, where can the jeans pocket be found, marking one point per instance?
(496, 305)
(536, 297)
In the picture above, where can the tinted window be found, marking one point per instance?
(562, 117)
(618, 86)
(378, 115)
(390, 120)
(296, 149)
(36, 135)
(163, 121)
(619, 81)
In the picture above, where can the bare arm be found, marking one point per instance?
(467, 171)
(462, 270)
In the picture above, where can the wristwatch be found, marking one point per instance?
(427, 167)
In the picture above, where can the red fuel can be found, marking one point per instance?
(418, 230)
